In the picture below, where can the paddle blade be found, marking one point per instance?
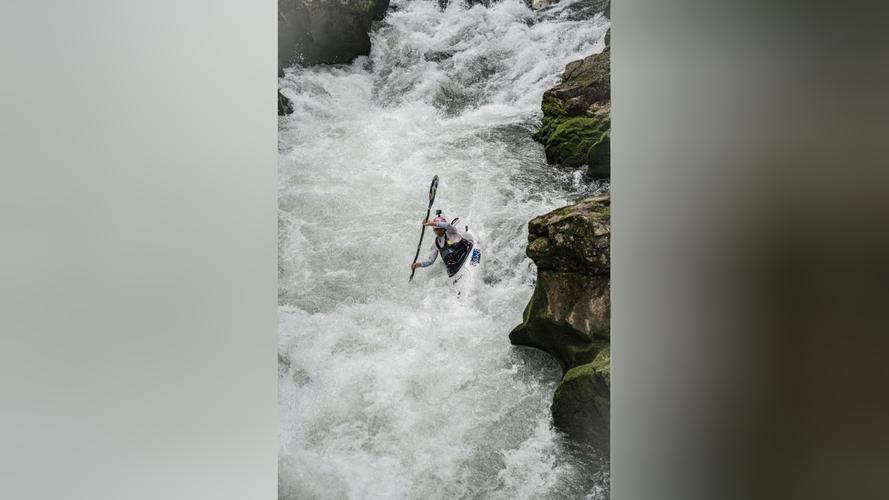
(432, 189)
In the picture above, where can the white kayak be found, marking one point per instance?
(470, 275)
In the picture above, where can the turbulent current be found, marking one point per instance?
(390, 389)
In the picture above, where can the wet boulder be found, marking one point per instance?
(569, 314)
(325, 31)
(574, 239)
(566, 317)
(576, 126)
(582, 402)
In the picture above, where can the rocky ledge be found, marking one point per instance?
(323, 32)
(569, 312)
(576, 126)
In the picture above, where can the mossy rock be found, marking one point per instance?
(569, 314)
(567, 317)
(575, 238)
(576, 126)
(576, 141)
(589, 78)
(602, 364)
(582, 402)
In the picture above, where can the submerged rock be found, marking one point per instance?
(325, 31)
(569, 314)
(576, 126)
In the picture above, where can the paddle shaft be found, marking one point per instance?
(432, 189)
(419, 245)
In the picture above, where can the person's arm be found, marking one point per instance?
(428, 262)
(440, 225)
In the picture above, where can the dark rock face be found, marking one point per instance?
(589, 6)
(325, 31)
(576, 127)
(567, 317)
(285, 107)
(570, 311)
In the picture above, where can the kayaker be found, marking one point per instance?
(453, 247)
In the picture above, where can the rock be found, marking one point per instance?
(285, 107)
(576, 126)
(591, 6)
(325, 31)
(582, 402)
(575, 238)
(569, 312)
(567, 317)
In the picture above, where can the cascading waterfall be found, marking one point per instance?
(390, 389)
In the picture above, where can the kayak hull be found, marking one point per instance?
(469, 278)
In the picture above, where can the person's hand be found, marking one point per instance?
(415, 265)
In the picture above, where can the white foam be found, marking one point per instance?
(398, 390)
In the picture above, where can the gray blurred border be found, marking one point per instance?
(137, 264)
(749, 250)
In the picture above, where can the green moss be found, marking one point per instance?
(575, 129)
(586, 370)
(573, 141)
(593, 72)
(553, 110)
(561, 212)
(599, 367)
(599, 157)
(551, 106)
(580, 354)
(602, 365)
(606, 213)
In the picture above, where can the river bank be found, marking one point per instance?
(569, 314)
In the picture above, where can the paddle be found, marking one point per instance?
(432, 190)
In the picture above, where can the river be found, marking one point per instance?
(390, 389)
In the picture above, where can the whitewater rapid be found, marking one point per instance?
(390, 389)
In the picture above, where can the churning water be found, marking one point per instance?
(390, 389)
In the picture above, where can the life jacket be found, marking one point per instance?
(453, 255)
